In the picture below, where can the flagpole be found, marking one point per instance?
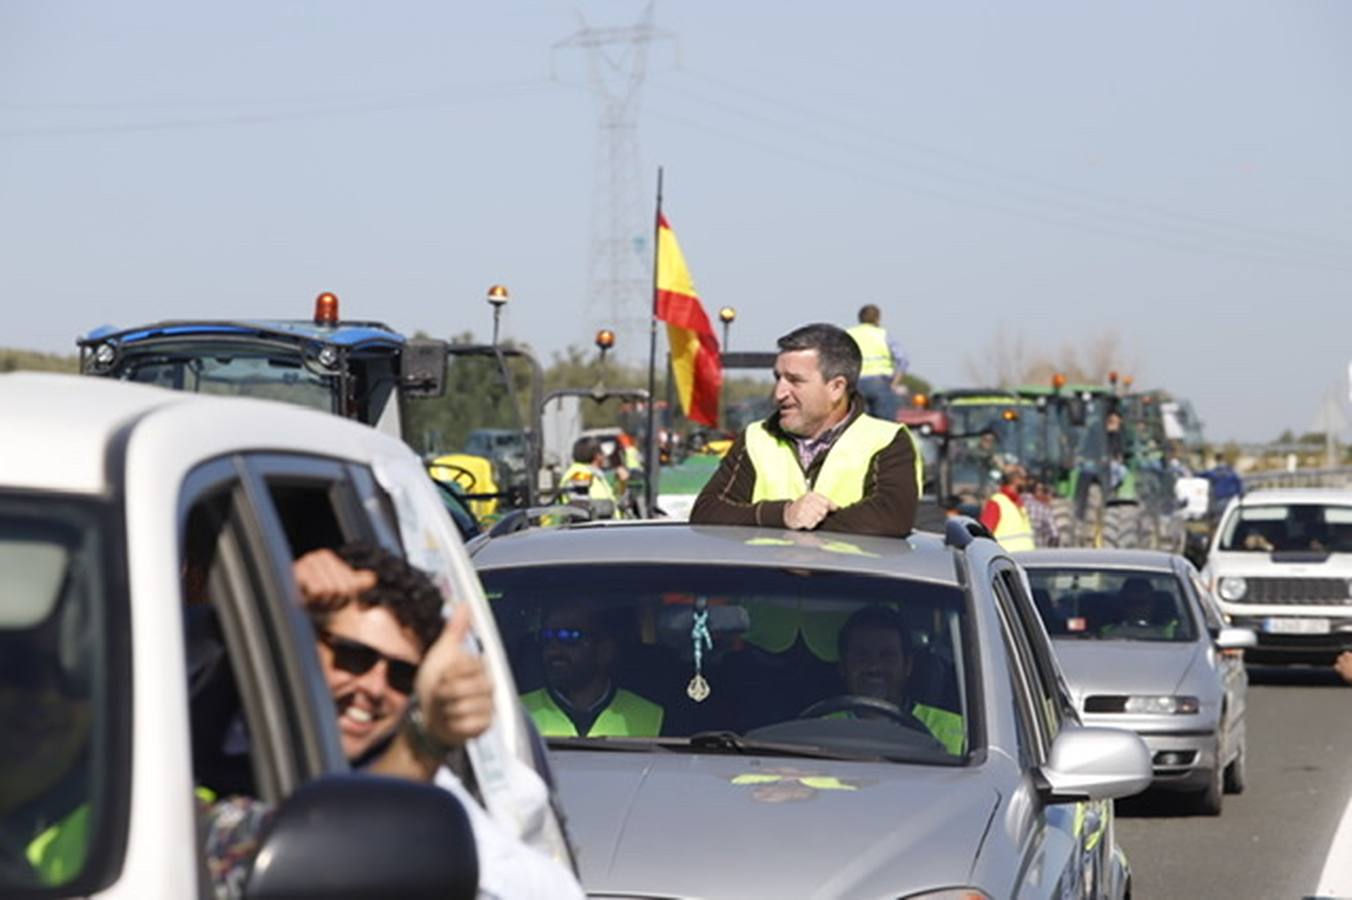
(653, 461)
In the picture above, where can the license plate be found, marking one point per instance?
(1296, 626)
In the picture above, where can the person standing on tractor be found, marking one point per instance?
(884, 365)
(1004, 514)
(585, 478)
(819, 461)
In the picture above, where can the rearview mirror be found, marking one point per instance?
(422, 367)
(345, 837)
(1096, 764)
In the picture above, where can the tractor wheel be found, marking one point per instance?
(1089, 529)
(1122, 526)
(1063, 512)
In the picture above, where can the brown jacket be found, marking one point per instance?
(887, 508)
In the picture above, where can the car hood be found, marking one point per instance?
(1124, 667)
(700, 825)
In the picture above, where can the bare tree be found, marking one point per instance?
(1008, 360)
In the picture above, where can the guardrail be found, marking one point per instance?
(1333, 478)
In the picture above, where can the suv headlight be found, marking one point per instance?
(1232, 588)
(1162, 705)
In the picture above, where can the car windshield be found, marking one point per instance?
(1288, 528)
(1111, 604)
(53, 627)
(659, 656)
(233, 370)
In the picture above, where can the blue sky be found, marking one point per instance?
(1176, 175)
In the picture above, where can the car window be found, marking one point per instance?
(64, 670)
(846, 662)
(1101, 603)
(1288, 528)
(1206, 600)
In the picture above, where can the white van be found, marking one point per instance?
(101, 667)
(1281, 563)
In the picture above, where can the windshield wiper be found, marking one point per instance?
(732, 742)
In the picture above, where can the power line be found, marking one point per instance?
(958, 167)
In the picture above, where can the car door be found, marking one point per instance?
(1228, 664)
(1067, 844)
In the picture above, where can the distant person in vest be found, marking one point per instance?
(881, 378)
(1004, 513)
(579, 698)
(819, 461)
(876, 658)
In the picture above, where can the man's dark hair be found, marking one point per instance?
(870, 314)
(883, 618)
(585, 450)
(837, 353)
(407, 592)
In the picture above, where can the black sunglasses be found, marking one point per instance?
(358, 659)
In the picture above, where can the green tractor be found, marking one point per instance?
(1107, 467)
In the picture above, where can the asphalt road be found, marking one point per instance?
(1269, 842)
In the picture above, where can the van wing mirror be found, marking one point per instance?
(342, 837)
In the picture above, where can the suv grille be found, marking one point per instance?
(1297, 590)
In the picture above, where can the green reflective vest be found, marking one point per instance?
(780, 476)
(947, 727)
(58, 854)
(627, 715)
(1014, 531)
(872, 341)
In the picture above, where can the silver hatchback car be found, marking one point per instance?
(738, 713)
(1145, 647)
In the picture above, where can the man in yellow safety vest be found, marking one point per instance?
(819, 461)
(884, 364)
(579, 698)
(876, 659)
(1005, 515)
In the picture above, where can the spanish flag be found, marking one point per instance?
(695, 359)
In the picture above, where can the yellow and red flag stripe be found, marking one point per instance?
(695, 359)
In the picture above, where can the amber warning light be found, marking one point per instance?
(326, 309)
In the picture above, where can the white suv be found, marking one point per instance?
(1281, 564)
(106, 491)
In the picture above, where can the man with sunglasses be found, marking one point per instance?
(384, 646)
(579, 698)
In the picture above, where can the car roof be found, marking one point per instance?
(921, 556)
(1106, 558)
(59, 428)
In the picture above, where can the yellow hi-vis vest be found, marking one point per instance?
(628, 715)
(947, 727)
(1014, 531)
(872, 341)
(598, 488)
(779, 475)
(58, 854)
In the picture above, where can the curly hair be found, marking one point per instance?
(407, 592)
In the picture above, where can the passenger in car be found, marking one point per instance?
(408, 697)
(876, 658)
(579, 698)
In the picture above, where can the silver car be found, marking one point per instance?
(1145, 647)
(742, 713)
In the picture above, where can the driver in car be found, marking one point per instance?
(876, 657)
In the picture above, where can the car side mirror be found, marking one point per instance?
(1236, 638)
(1095, 764)
(354, 836)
